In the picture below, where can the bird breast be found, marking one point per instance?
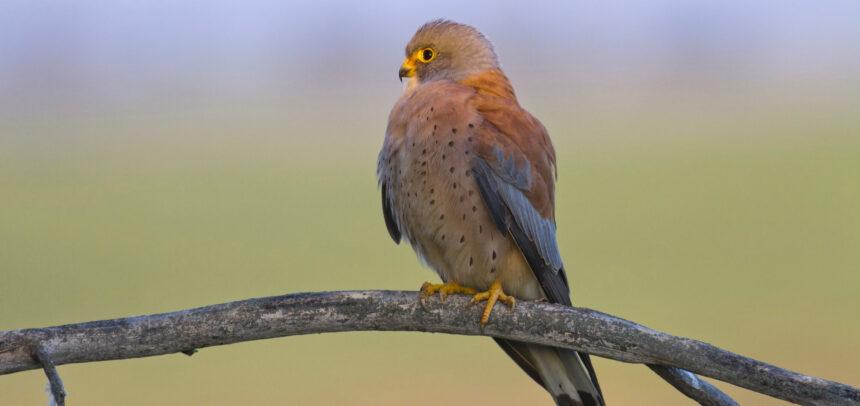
(440, 209)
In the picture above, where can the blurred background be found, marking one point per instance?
(159, 155)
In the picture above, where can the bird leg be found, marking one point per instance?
(492, 295)
(444, 289)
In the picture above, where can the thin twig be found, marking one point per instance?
(694, 387)
(308, 313)
(56, 383)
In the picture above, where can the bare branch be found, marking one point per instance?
(54, 382)
(694, 387)
(307, 313)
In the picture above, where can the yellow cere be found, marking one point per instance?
(408, 67)
(423, 55)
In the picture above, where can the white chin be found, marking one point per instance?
(411, 83)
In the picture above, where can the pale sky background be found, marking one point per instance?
(93, 56)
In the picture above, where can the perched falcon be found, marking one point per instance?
(467, 177)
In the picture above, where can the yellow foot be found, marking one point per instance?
(493, 295)
(444, 289)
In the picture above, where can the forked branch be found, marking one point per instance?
(307, 313)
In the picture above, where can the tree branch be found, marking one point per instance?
(307, 313)
(58, 392)
(691, 385)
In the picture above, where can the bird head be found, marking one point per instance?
(445, 50)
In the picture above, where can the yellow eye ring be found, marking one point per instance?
(426, 55)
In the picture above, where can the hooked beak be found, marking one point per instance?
(407, 70)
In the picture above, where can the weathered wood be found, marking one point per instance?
(694, 387)
(307, 313)
(58, 392)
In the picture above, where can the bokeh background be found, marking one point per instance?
(159, 155)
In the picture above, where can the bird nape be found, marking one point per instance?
(468, 179)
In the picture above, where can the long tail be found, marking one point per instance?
(567, 375)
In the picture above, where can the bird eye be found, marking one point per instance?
(426, 55)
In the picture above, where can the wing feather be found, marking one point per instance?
(501, 186)
(390, 222)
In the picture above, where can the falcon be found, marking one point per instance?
(468, 179)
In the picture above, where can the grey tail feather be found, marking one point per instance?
(566, 374)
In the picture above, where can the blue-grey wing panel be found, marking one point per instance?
(501, 185)
(390, 221)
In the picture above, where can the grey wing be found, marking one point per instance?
(390, 222)
(383, 169)
(502, 185)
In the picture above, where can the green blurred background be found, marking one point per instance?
(156, 156)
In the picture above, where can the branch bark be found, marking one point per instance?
(308, 313)
(691, 385)
(58, 392)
